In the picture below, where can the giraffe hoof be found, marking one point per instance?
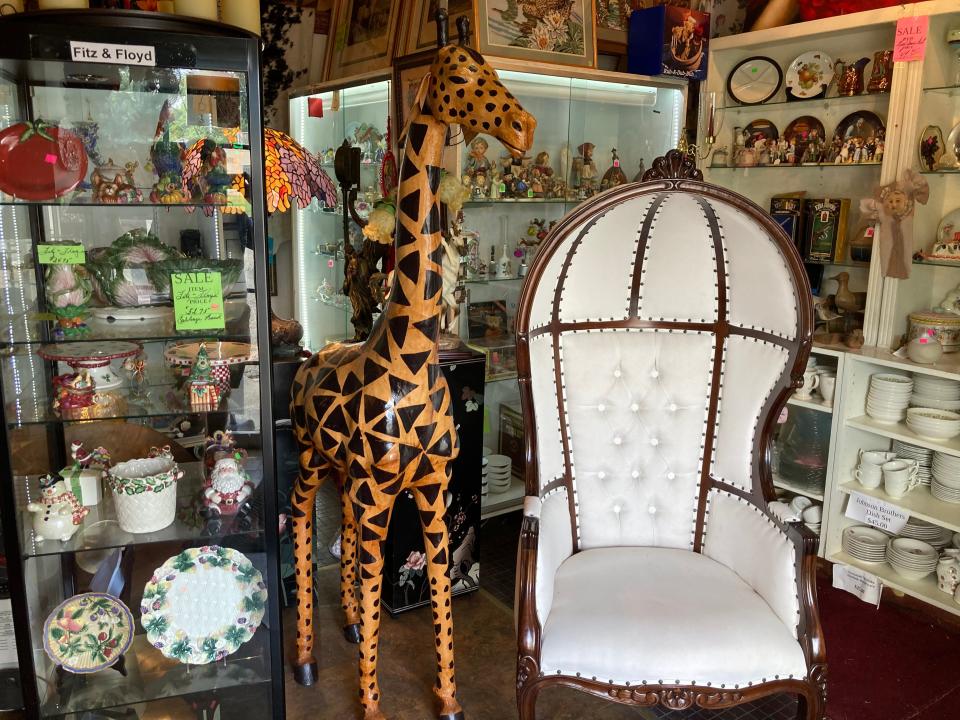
(453, 716)
(306, 674)
(352, 633)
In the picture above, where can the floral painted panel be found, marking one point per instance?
(558, 31)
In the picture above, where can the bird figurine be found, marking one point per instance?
(845, 299)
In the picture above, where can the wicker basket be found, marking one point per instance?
(145, 491)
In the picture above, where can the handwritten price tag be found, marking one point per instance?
(197, 301)
(880, 514)
(911, 39)
(864, 585)
(61, 255)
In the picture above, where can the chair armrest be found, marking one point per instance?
(809, 630)
(528, 624)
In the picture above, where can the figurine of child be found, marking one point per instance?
(477, 161)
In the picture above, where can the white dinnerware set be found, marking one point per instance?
(498, 473)
(912, 559)
(822, 379)
(948, 570)
(898, 475)
(889, 397)
(945, 485)
(913, 554)
(798, 509)
(936, 393)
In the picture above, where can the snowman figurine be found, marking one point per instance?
(59, 512)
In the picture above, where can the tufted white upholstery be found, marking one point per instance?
(659, 332)
(636, 615)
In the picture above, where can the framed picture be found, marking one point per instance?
(421, 27)
(362, 37)
(408, 71)
(562, 33)
(613, 18)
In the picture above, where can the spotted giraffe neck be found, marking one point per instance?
(419, 254)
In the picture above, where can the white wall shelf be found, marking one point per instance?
(919, 503)
(812, 404)
(798, 488)
(900, 431)
(501, 503)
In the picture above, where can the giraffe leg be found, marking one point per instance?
(372, 534)
(348, 572)
(313, 471)
(429, 497)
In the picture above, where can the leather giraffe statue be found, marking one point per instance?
(376, 416)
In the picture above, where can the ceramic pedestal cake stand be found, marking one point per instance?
(221, 354)
(95, 357)
(88, 633)
(201, 605)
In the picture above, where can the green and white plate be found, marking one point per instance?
(201, 605)
(88, 633)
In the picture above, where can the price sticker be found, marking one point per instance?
(197, 300)
(61, 255)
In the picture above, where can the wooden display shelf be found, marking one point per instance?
(810, 405)
(918, 502)
(797, 488)
(501, 503)
(900, 431)
(925, 589)
(948, 366)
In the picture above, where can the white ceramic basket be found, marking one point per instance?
(145, 492)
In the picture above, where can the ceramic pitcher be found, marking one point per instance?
(882, 76)
(849, 76)
(948, 571)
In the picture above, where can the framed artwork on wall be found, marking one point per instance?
(421, 28)
(554, 31)
(408, 71)
(362, 37)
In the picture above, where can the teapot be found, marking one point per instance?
(850, 76)
(882, 75)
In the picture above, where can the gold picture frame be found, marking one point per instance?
(408, 71)
(420, 24)
(531, 30)
(362, 37)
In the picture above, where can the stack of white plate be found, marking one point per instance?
(865, 543)
(913, 559)
(931, 534)
(889, 397)
(499, 473)
(945, 492)
(935, 392)
(933, 424)
(956, 540)
(485, 485)
(923, 457)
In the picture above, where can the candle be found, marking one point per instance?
(8, 7)
(206, 9)
(62, 4)
(712, 116)
(242, 13)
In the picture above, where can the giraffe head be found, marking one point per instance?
(462, 88)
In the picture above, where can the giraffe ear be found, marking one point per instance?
(417, 106)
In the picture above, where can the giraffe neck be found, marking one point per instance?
(418, 279)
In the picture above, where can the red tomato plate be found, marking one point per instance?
(39, 161)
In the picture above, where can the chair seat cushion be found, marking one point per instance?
(646, 615)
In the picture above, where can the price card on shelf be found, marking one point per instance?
(878, 513)
(910, 42)
(197, 300)
(61, 254)
(855, 581)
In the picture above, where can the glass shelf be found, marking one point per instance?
(849, 264)
(825, 101)
(20, 330)
(101, 531)
(821, 166)
(502, 378)
(944, 89)
(534, 200)
(151, 676)
(164, 399)
(938, 263)
(944, 171)
(485, 281)
(86, 200)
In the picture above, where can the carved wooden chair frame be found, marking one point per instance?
(677, 172)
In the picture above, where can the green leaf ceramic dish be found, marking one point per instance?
(88, 633)
(159, 272)
(201, 605)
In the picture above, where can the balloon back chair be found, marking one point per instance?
(659, 335)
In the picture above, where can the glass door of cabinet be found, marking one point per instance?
(321, 120)
(139, 506)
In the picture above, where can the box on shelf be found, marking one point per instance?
(501, 355)
(824, 229)
(787, 212)
(668, 40)
(511, 435)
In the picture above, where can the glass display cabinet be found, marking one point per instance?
(595, 129)
(321, 119)
(138, 502)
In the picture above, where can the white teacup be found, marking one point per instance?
(900, 477)
(828, 384)
(812, 514)
(876, 457)
(869, 475)
(811, 381)
(800, 503)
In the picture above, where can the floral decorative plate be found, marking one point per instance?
(88, 633)
(809, 76)
(201, 605)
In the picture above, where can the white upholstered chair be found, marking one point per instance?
(659, 334)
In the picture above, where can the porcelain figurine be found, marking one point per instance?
(615, 175)
(68, 289)
(227, 486)
(643, 168)
(504, 265)
(478, 168)
(73, 395)
(167, 157)
(948, 571)
(203, 391)
(585, 170)
(59, 513)
(114, 184)
(135, 368)
(86, 471)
